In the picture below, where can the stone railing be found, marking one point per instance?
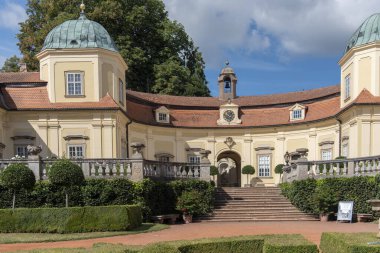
(134, 169)
(303, 169)
(155, 169)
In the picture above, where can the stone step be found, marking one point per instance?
(254, 205)
(254, 208)
(267, 209)
(276, 219)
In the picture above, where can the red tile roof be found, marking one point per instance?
(36, 98)
(251, 117)
(192, 112)
(285, 98)
(20, 77)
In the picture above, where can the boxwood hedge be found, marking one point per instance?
(349, 243)
(303, 193)
(153, 197)
(70, 220)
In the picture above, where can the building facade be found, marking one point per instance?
(77, 106)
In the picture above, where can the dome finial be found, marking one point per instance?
(82, 7)
(82, 15)
(227, 62)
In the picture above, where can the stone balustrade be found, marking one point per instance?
(134, 169)
(175, 170)
(303, 169)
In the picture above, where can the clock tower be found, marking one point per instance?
(227, 83)
(228, 112)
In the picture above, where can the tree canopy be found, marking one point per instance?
(160, 55)
(11, 64)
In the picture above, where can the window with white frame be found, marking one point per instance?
(75, 151)
(194, 159)
(345, 150)
(326, 154)
(297, 114)
(74, 83)
(162, 117)
(21, 150)
(264, 165)
(121, 92)
(347, 88)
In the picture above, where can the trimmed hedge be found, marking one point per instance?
(231, 245)
(349, 243)
(241, 244)
(70, 220)
(153, 197)
(304, 194)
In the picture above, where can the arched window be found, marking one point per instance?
(227, 85)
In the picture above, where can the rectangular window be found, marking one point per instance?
(75, 151)
(121, 92)
(326, 154)
(163, 117)
(194, 159)
(347, 87)
(22, 151)
(264, 165)
(164, 159)
(297, 114)
(74, 84)
(345, 150)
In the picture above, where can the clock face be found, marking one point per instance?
(229, 115)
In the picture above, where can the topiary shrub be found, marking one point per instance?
(279, 169)
(214, 171)
(17, 177)
(248, 170)
(66, 174)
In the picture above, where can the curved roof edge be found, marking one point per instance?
(243, 101)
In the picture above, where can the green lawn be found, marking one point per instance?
(6, 238)
(284, 241)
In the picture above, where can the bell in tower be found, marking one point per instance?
(227, 83)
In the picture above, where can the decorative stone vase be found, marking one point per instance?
(375, 203)
(187, 218)
(324, 217)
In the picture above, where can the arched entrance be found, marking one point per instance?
(229, 165)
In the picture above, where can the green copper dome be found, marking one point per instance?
(368, 32)
(80, 33)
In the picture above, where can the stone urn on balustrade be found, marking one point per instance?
(375, 203)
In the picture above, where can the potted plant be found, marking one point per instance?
(189, 203)
(214, 171)
(279, 169)
(248, 170)
(326, 203)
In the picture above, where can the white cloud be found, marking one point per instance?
(11, 14)
(291, 27)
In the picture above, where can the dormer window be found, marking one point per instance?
(297, 112)
(74, 84)
(163, 115)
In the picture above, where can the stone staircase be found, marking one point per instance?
(254, 204)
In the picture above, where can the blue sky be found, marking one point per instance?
(274, 45)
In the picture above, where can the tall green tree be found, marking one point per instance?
(154, 47)
(11, 64)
